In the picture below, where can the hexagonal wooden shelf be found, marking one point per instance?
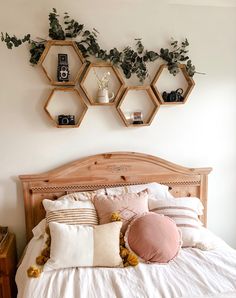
(190, 84)
(89, 82)
(147, 99)
(78, 103)
(48, 61)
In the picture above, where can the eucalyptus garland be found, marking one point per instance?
(130, 60)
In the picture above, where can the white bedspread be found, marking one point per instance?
(193, 274)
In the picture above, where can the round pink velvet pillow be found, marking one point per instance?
(153, 237)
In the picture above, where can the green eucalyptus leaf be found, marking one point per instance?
(131, 61)
(86, 33)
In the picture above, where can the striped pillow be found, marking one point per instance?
(185, 213)
(71, 212)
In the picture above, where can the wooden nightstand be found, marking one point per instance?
(8, 269)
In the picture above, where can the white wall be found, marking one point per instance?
(199, 133)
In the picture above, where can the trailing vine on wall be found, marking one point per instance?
(130, 60)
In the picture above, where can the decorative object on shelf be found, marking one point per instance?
(173, 96)
(66, 119)
(131, 61)
(63, 68)
(103, 93)
(103, 96)
(179, 96)
(135, 117)
(78, 63)
(95, 83)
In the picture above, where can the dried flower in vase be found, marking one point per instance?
(104, 81)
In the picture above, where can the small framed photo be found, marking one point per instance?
(137, 117)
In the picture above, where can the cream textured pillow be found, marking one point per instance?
(39, 230)
(160, 191)
(127, 205)
(84, 246)
(184, 211)
(83, 195)
(70, 211)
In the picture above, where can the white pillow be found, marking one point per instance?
(84, 246)
(39, 230)
(184, 211)
(82, 196)
(208, 240)
(70, 211)
(50, 205)
(160, 191)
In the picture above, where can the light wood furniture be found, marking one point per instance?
(114, 75)
(8, 269)
(189, 80)
(150, 96)
(108, 170)
(81, 102)
(64, 43)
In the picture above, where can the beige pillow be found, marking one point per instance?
(85, 212)
(160, 191)
(185, 212)
(84, 246)
(71, 211)
(83, 195)
(127, 205)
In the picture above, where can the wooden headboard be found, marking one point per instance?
(107, 170)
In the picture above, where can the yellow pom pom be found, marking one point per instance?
(122, 241)
(47, 230)
(46, 252)
(132, 259)
(41, 260)
(48, 241)
(34, 271)
(126, 264)
(115, 216)
(123, 252)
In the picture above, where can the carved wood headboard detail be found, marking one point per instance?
(108, 170)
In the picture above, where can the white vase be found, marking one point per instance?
(103, 96)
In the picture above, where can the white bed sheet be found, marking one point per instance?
(193, 274)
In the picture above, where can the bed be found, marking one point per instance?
(194, 273)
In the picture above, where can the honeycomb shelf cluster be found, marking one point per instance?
(83, 87)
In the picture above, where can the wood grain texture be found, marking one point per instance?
(116, 73)
(8, 269)
(108, 170)
(189, 80)
(66, 43)
(79, 116)
(149, 96)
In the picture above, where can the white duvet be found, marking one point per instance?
(194, 273)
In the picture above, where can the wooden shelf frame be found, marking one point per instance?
(114, 69)
(80, 98)
(150, 96)
(189, 80)
(64, 43)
